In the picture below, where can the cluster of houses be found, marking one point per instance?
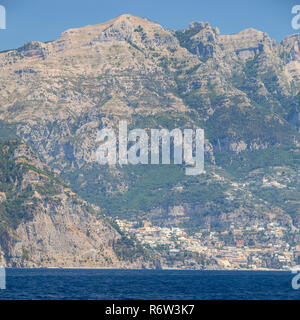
(232, 249)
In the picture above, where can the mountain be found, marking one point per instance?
(242, 89)
(44, 223)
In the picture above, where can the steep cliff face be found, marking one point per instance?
(242, 89)
(43, 223)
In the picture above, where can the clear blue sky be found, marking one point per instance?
(44, 20)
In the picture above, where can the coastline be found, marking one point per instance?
(144, 269)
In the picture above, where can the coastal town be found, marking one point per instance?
(269, 246)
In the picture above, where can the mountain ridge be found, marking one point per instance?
(44, 224)
(242, 89)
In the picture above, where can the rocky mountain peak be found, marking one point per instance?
(200, 38)
(292, 42)
(248, 43)
(117, 29)
(200, 25)
(291, 39)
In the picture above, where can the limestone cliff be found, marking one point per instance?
(44, 224)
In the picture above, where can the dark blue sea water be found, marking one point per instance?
(147, 284)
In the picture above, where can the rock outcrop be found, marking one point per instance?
(44, 224)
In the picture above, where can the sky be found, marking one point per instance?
(43, 20)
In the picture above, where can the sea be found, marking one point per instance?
(99, 284)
